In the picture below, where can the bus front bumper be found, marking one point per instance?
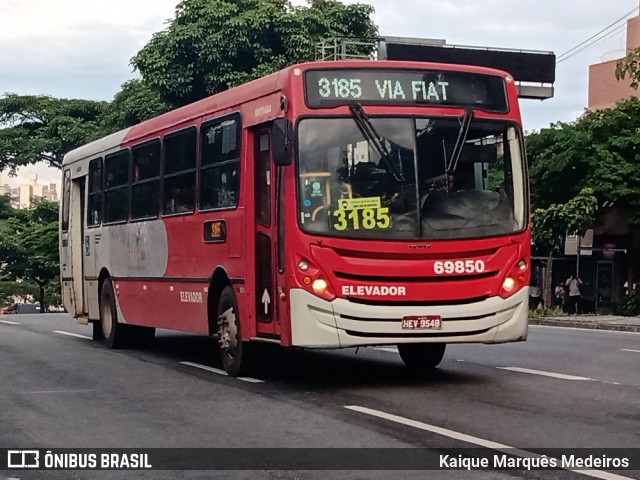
(317, 323)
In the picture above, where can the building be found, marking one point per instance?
(26, 192)
(604, 89)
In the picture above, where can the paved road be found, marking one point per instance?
(563, 388)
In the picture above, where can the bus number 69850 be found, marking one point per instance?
(459, 266)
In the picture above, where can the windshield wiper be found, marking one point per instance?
(371, 134)
(462, 137)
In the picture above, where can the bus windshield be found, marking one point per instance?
(410, 178)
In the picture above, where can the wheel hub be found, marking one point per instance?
(228, 330)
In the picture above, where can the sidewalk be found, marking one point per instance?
(600, 322)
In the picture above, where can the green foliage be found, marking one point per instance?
(42, 128)
(6, 210)
(601, 151)
(212, 45)
(630, 304)
(629, 66)
(29, 247)
(11, 290)
(133, 104)
(554, 222)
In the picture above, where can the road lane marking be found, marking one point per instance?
(387, 349)
(7, 322)
(220, 372)
(561, 376)
(582, 329)
(70, 334)
(629, 350)
(481, 442)
(38, 392)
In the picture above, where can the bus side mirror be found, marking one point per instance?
(282, 141)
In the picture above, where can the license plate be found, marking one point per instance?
(422, 322)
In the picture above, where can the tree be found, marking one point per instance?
(629, 66)
(42, 128)
(133, 104)
(601, 151)
(212, 45)
(29, 246)
(555, 222)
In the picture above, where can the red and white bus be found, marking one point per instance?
(328, 205)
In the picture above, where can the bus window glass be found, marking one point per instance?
(180, 151)
(117, 168)
(145, 189)
(220, 164)
(263, 181)
(180, 176)
(66, 197)
(116, 192)
(94, 209)
(410, 185)
(146, 161)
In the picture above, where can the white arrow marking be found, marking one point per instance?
(266, 299)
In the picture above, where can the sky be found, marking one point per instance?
(82, 48)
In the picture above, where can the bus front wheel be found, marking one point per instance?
(114, 332)
(421, 356)
(235, 353)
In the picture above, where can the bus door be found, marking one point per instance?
(268, 279)
(76, 244)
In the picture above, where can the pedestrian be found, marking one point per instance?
(535, 297)
(573, 284)
(560, 293)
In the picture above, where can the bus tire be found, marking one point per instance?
(421, 356)
(114, 332)
(235, 354)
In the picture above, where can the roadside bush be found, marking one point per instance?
(630, 305)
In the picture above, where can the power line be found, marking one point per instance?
(567, 54)
(593, 44)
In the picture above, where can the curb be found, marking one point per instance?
(594, 325)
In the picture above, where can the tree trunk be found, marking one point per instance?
(548, 279)
(41, 285)
(43, 307)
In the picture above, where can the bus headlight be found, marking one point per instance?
(319, 286)
(509, 284)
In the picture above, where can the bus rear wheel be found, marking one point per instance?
(235, 353)
(421, 356)
(114, 332)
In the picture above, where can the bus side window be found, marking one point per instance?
(220, 163)
(94, 210)
(179, 172)
(145, 187)
(116, 187)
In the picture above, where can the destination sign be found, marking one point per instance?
(329, 88)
